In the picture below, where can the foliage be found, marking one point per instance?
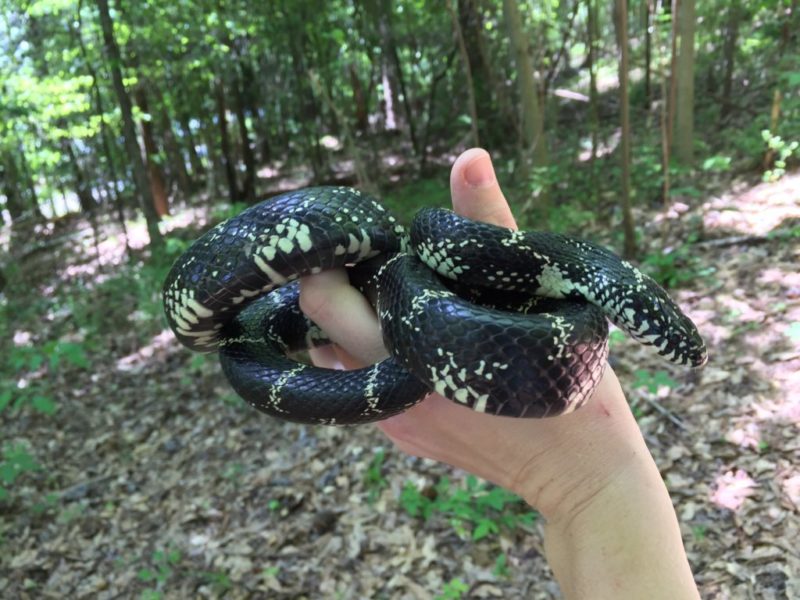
(374, 480)
(163, 563)
(653, 381)
(16, 461)
(475, 510)
(40, 366)
(675, 266)
(782, 150)
(453, 590)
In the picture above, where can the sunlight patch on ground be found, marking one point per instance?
(757, 210)
(181, 218)
(732, 488)
(136, 361)
(604, 147)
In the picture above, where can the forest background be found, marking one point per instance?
(666, 130)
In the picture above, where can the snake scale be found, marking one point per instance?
(506, 322)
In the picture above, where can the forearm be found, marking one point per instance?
(624, 542)
(611, 530)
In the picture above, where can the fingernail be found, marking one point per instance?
(479, 173)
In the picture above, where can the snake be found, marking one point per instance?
(506, 322)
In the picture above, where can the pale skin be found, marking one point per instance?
(610, 528)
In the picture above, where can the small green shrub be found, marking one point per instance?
(675, 267)
(16, 461)
(653, 381)
(782, 151)
(475, 510)
(374, 480)
(453, 590)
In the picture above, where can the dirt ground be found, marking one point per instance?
(166, 486)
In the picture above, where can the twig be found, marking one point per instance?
(670, 415)
(748, 240)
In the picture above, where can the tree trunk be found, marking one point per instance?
(85, 198)
(363, 179)
(534, 147)
(397, 68)
(158, 183)
(176, 161)
(648, 53)
(248, 187)
(225, 142)
(360, 108)
(435, 80)
(621, 22)
(684, 122)
(473, 110)
(11, 188)
(729, 55)
(198, 169)
(594, 117)
(128, 126)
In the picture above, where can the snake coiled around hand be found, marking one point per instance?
(505, 322)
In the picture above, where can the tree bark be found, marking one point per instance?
(594, 117)
(621, 22)
(648, 53)
(158, 183)
(473, 110)
(128, 127)
(85, 198)
(225, 142)
(684, 122)
(729, 54)
(248, 187)
(396, 68)
(534, 147)
(176, 161)
(360, 109)
(198, 168)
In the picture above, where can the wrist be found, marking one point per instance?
(588, 451)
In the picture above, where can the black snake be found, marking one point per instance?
(506, 322)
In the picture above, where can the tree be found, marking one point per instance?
(128, 128)
(621, 22)
(534, 145)
(684, 117)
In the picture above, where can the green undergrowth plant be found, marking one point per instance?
(16, 460)
(676, 266)
(781, 150)
(374, 481)
(474, 509)
(652, 381)
(453, 590)
(30, 370)
(131, 296)
(166, 565)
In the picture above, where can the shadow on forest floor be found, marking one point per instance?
(155, 477)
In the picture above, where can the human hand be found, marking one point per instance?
(534, 458)
(611, 529)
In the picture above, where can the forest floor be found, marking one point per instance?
(155, 481)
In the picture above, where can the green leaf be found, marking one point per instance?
(73, 353)
(5, 398)
(43, 405)
(484, 528)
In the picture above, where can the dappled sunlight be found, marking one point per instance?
(604, 147)
(732, 488)
(138, 360)
(755, 211)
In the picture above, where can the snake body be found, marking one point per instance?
(505, 322)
